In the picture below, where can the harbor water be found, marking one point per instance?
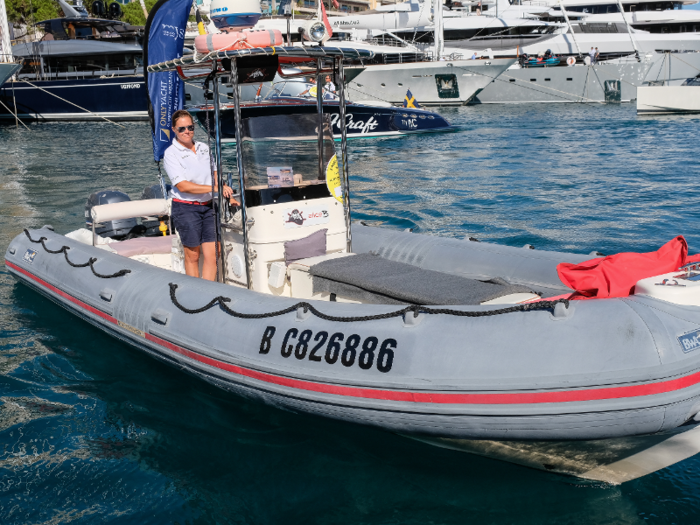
(93, 431)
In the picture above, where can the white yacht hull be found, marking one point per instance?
(668, 99)
(578, 83)
(390, 82)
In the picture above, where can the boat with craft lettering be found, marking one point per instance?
(462, 344)
(298, 97)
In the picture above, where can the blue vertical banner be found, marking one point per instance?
(165, 32)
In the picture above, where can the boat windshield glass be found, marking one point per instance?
(280, 157)
(290, 89)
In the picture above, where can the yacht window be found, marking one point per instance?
(91, 63)
(31, 67)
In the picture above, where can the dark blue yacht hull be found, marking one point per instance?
(115, 98)
(361, 121)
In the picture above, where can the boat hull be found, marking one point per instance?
(580, 83)
(361, 121)
(445, 83)
(654, 100)
(115, 98)
(522, 375)
(7, 69)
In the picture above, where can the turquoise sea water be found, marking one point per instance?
(92, 431)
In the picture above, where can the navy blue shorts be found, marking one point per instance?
(195, 223)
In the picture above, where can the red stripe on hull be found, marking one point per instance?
(565, 396)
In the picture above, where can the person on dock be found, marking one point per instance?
(591, 54)
(597, 56)
(189, 168)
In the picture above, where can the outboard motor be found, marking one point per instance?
(154, 192)
(113, 229)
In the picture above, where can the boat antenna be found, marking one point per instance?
(568, 22)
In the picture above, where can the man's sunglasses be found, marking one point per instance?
(182, 129)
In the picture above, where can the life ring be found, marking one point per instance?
(571, 61)
(235, 40)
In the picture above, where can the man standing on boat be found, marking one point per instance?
(189, 168)
(330, 86)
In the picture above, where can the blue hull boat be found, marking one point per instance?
(361, 121)
(118, 98)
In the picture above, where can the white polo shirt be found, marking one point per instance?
(182, 164)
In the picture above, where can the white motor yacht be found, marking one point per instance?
(662, 96)
(654, 100)
(397, 67)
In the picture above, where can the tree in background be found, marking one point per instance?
(133, 14)
(27, 12)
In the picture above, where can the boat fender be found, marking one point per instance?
(571, 61)
(236, 40)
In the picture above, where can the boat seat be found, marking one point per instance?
(300, 279)
(369, 278)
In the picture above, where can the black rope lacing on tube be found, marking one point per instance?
(416, 309)
(64, 250)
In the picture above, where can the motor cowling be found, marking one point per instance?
(112, 229)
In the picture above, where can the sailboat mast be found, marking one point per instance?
(437, 25)
(5, 44)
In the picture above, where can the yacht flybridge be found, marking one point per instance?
(462, 344)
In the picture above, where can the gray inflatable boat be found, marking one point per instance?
(337, 342)
(444, 340)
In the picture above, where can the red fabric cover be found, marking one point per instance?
(616, 275)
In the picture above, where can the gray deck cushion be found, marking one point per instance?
(402, 282)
